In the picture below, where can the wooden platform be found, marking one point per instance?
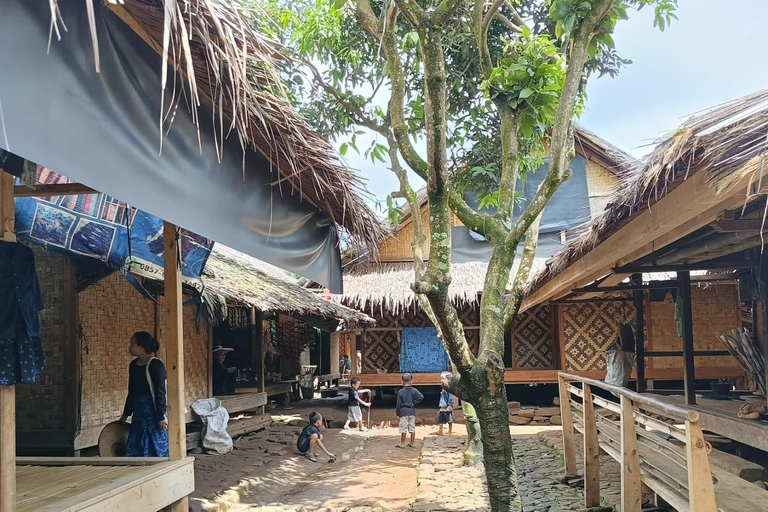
(719, 416)
(545, 376)
(98, 484)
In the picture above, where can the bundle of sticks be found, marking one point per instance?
(741, 346)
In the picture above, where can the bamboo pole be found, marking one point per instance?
(689, 374)
(7, 393)
(174, 350)
(591, 452)
(569, 445)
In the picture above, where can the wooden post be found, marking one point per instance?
(72, 352)
(174, 350)
(353, 352)
(631, 483)
(689, 374)
(638, 298)
(257, 346)
(701, 491)
(7, 393)
(569, 444)
(591, 452)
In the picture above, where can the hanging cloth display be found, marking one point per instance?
(679, 315)
(21, 352)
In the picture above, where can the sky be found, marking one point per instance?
(711, 55)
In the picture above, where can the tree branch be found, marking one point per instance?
(412, 11)
(492, 11)
(388, 42)
(511, 26)
(481, 223)
(509, 163)
(444, 11)
(523, 272)
(456, 386)
(362, 118)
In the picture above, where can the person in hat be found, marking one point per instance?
(223, 382)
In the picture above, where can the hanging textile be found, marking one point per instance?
(679, 315)
(21, 352)
(421, 351)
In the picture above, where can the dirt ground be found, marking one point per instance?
(265, 468)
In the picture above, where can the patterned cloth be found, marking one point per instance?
(421, 351)
(21, 358)
(145, 438)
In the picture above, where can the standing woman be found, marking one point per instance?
(146, 400)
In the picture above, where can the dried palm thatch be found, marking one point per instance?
(727, 143)
(224, 59)
(246, 281)
(387, 286)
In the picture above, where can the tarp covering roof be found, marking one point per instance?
(237, 165)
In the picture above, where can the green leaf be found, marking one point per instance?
(343, 149)
(525, 93)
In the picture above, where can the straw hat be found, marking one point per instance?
(219, 348)
(112, 439)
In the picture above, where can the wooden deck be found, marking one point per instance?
(98, 484)
(546, 376)
(719, 416)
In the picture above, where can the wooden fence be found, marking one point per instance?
(656, 443)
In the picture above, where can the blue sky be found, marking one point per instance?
(711, 55)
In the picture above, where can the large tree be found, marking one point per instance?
(492, 86)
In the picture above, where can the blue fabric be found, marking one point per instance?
(104, 229)
(446, 399)
(421, 351)
(145, 439)
(20, 297)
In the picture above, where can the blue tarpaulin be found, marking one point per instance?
(102, 228)
(421, 351)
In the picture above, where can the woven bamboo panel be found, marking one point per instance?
(40, 406)
(716, 309)
(111, 311)
(601, 184)
(589, 329)
(382, 351)
(345, 345)
(398, 247)
(292, 338)
(533, 340)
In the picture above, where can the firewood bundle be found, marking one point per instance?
(741, 346)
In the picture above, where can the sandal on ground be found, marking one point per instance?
(310, 457)
(399, 446)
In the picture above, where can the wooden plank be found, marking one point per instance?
(7, 393)
(569, 443)
(591, 452)
(638, 300)
(89, 461)
(72, 352)
(243, 402)
(631, 483)
(701, 493)
(688, 207)
(258, 347)
(145, 488)
(277, 388)
(689, 376)
(353, 344)
(174, 351)
(54, 189)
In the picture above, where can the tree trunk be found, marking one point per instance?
(473, 455)
(500, 470)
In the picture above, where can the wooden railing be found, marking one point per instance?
(670, 458)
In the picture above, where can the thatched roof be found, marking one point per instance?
(387, 286)
(727, 143)
(221, 56)
(246, 281)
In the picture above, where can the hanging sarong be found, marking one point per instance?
(145, 438)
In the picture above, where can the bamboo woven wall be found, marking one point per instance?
(601, 184)
(398, 247)
(111, 311)
(533, 341)
(589, 329)
(716, 309)
(40, 406)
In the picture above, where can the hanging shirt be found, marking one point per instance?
(20, 297)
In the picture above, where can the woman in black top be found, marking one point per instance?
(146, 401)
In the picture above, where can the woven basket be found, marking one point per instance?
(112, 439)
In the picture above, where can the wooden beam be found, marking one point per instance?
(72, 350)
(683, 210)
(592, 301)
(726, 264)
(738, 225)
(653, 285)
(678, 353)
(689, 372)
(569, 443)
(7, 393)
(591, 452)
(174, 350)
(257, 345)
(631, 481)
(353, 344)
(638, 299)
(54, 189)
